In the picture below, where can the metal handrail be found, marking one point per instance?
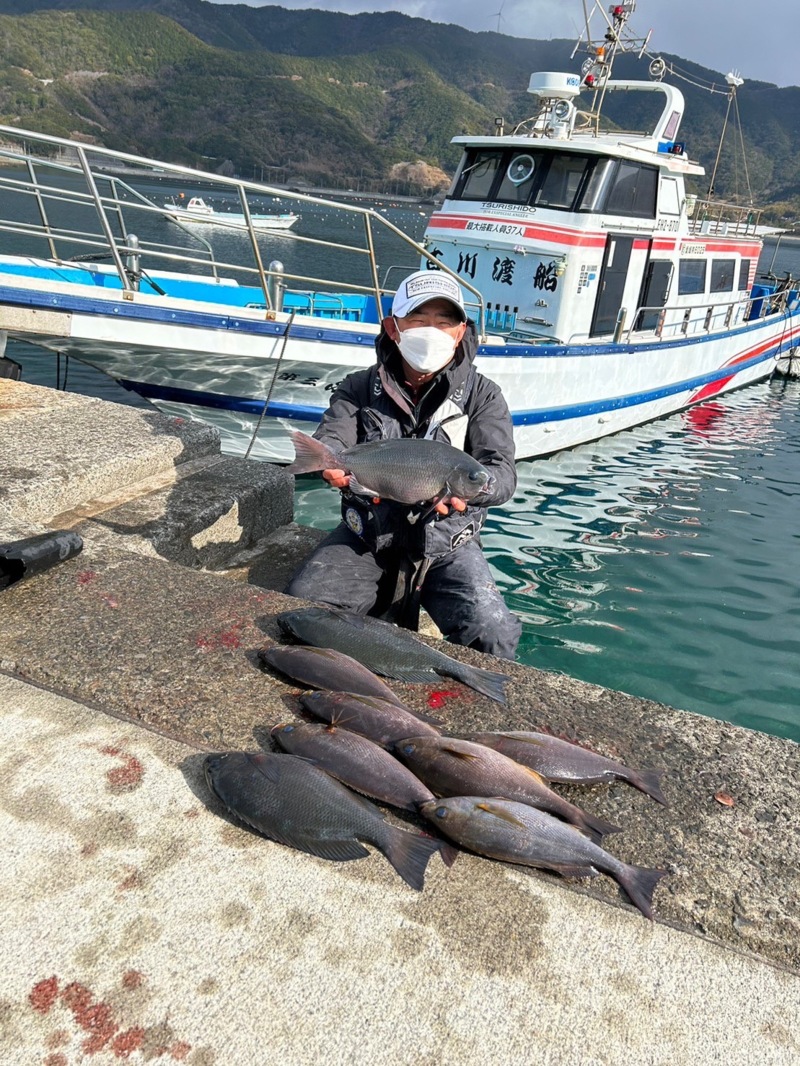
(117, 248)
(778, 305)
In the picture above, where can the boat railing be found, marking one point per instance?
(102, 184)
(716, 218)
(675, 321)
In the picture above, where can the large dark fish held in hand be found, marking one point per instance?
(385, 648)
(381, 721)
(451, 767)
(408, 469)
(515, 832)
(294, 802)
(355, 761)
(568, 763)
(326, 669)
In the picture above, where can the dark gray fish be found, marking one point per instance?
(515, 832)
(385, 648)
(408, 470)
(325, 668)
(355, 761)
(291, 800)
(568, 763)
(451, 767)
(381, 721)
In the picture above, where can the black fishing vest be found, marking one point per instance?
(385, 526)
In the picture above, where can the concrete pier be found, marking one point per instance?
(142, 924)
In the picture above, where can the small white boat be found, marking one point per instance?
(198, 211)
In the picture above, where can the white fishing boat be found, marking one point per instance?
(197, 211)
(606, 293)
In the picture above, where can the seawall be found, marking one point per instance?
(140, 922)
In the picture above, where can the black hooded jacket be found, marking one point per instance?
(459, 406)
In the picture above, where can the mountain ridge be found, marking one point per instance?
(328, 98)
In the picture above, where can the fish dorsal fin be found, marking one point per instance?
(523, 740)
(501, 813)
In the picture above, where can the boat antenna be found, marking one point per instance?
(596, 69)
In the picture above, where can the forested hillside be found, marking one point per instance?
(323, 96)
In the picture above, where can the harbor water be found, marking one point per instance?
(660, 562)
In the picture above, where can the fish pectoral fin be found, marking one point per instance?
(500, 812)
(359, 489)
(537, 777)
(466, 756)
(269, 769)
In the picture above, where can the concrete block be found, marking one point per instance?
(202, 520)
(58, 450)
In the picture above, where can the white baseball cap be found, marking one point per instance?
(426, 285)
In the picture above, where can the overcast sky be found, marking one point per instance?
(758, 38)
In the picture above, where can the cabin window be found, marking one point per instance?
(562, 181)
(600, 177)
(633, 191)
(478, 176)
(527, 176)
(518, 178)
(692, 277)
(723, 271)
(744, 274)
(668, 200)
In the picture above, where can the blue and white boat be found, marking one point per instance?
(606, 293)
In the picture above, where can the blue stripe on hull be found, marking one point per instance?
(305, 413)
(333, 334)
(216, 401)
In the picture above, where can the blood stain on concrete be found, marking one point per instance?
(440, 697)
(127, 777)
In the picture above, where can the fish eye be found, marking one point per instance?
(476, 475)
(288, 729)
(408, 749)
(441, 812)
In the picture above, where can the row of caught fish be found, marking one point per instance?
(493, 788)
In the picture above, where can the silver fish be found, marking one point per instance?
(291, 800)
(325, 668)
(385, 648)
(452, 767)
(381, 721)
(355, 761)
(568, 763)
(408, 470)
(515, 832)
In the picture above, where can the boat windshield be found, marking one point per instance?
(561, 181)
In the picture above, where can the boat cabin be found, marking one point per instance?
(573, 234)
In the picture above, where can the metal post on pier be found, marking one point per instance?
(98, 203)
(277, 283)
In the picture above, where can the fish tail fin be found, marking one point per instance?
(410, 853)
(639, 883)
(311, 454)
(485, 681)
(649, 782)
(597, 828)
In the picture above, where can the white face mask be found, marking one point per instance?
(426, 349)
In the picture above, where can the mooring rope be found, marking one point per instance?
(271, 387)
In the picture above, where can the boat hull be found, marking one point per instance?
(220, 364)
